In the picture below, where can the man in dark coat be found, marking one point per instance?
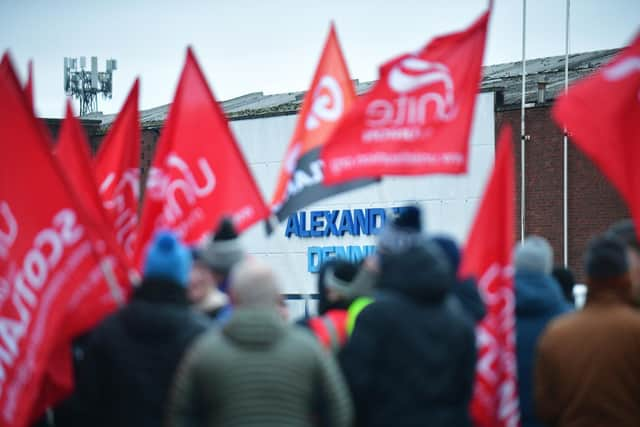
(411, 358)
(538, 300)
(132, 355)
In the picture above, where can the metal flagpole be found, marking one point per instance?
(565, 209)
(522, 126)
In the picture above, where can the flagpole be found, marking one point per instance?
(522, 124)
(565, 209)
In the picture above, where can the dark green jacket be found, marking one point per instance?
(258, 371)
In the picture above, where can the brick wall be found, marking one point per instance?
(592, 203)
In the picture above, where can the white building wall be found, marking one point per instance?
(449, 202)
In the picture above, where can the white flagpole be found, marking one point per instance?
(565, 210)
(522, 125)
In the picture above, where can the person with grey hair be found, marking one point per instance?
(539, 299)
(257, 369)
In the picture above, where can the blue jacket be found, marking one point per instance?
(538, 300)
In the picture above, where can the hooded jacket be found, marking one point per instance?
(258, 371)
(538, 300)
(411, 358)
(131, 357)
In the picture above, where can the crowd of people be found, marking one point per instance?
(205, 339)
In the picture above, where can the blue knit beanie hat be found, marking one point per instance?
(168, 259)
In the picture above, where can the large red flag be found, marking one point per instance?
(47, 254)
(602, 116)
(330, 96)
(117, 170)
(198, 174)
(28, 87)
(488, 256)
(417, 118)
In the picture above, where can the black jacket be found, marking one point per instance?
(411, 358)
(131, 358)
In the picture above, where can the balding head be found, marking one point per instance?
(254, 284)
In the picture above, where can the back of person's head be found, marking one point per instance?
(534, 255)
(565, 278)
(224, 250)
(451, 250)
(168, 259)
(401, 232)
(605, 260)
(625, 231)
(253, 284)
(334, 284)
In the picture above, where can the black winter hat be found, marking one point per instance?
(224, 250)
(606, 258)
(625, 230)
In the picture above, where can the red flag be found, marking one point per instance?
(198, 174)
(417, 118)
(330, 96)
(47, 254)
(28, 87)
(117, 169)
(488, 256)
(602, 115)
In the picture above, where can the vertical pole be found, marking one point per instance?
(522, 124)
(565, 208)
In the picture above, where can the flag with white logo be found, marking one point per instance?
(50, 256)
(488, 257)
(117, 169)
(417, 119)
(198, 173)
(602, 115)
(331, 94)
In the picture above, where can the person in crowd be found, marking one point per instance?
(220, 254)
(258, 370)
(131, 357)
(203, 289)
(625, 231)
(465, 289)
(587, 371)
(566, 280)
(411, 357)
(538, 300)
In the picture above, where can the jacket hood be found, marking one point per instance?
(538, 293)
(421, 272)
(254, 327)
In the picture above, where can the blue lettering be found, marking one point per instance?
(361, 223)
(314, 259)
(331, 223)
(346, 224)
(317, 223)
(355, 253)
(303, 230)
(328, 252)
(373, 215)
(341, 252)
(293, 227)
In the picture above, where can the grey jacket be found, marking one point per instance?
(259, 371)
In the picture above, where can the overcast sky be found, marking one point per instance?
(273, 46)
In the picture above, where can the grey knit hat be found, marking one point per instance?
(534, 255)
(224, 250)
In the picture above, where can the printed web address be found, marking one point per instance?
(340, 164)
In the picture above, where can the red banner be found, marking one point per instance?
(488, 256)
(330, 96)
(28, 87)
(198, 174)
(602, 116)
(47, 254)
(417, 118)
(117, 170)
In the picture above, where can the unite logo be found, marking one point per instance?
(406, 77)
(622, 70)
(8, 229)
(160, 186)
(328, 103)
(119, 199)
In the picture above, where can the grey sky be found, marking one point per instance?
(273, 46)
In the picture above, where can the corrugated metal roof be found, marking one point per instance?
(501, 77)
